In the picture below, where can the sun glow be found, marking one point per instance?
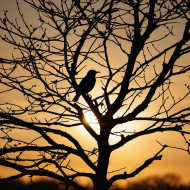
(92, 120)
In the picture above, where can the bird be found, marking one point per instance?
(86, 84)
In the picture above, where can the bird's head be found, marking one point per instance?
(92, 72)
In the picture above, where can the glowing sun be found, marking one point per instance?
(92, 120)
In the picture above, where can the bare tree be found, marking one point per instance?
(139, 50)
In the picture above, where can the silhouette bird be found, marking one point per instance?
(86, 84)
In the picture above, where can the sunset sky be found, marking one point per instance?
(134, 153)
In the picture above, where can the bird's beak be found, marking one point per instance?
(97, 72)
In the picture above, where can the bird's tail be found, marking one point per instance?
(75, 99)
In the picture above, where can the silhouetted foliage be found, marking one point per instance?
(166, 182)
(35, 185)
(140, 49)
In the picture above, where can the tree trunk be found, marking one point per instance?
(100, 181)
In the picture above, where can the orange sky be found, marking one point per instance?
(133, 154)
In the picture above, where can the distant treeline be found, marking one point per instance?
(166, 182)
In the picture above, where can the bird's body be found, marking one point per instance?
(86, 84)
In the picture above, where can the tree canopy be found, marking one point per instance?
(140, 49)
